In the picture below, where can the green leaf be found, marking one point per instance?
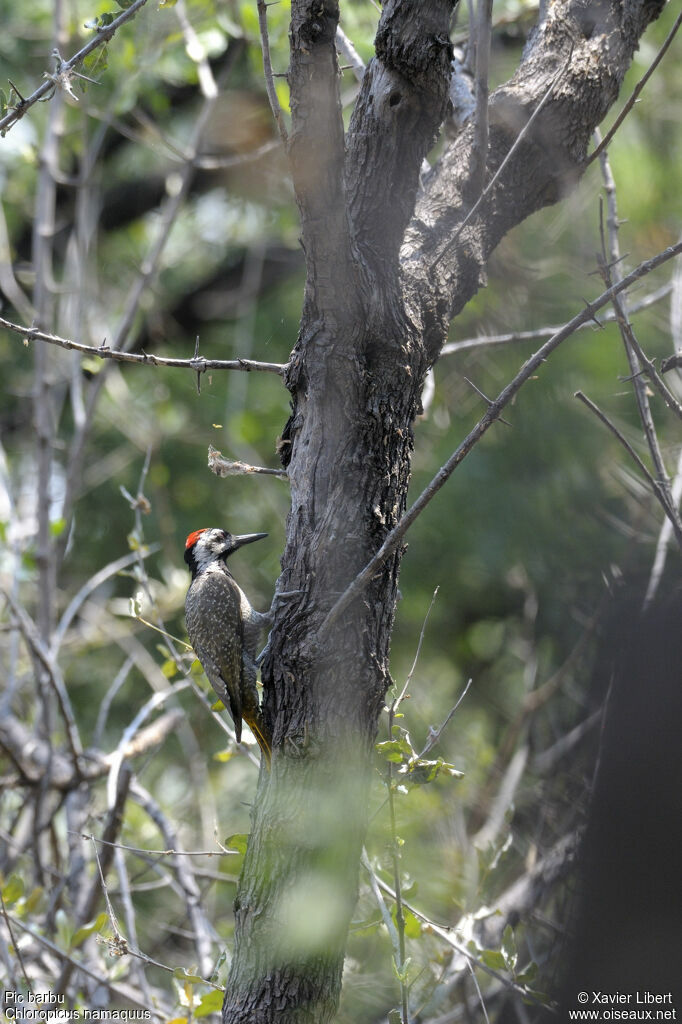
(97, 60)
(13, 889)
(81, 934)
(211, 1002)
(219, 963)
(34, 899)
(533, 996)
(237, 843)
(402, 972)
(509, 948)
(493, 958)
(223, 756)
(282, 90)
(64, 928)
(394, 750)
(528, 974)
(368, 925)
(57, 527)
(182, 975)
(217, 706)
(169, 668)
(413, 926)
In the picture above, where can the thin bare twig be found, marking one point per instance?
(435, 734)
(89, 588)
(87, 904)
(472, 972)
(635, 92)
(197, 364)
(396, 932)
(197, 53)
(345, 46)
(355, 588)
(102, 36)
(488, 401)
(52, 673)
(15, 944)
(648, 367)
(500, 170)
(121, 990)
(483, 33)
(172, 852)
(637, 360)
(270, 89)
(216, 162)
(446, 934)
(656, 485)
(539, 333)
(661, 555)
(185, 876)
(118, 756)
(399, 699)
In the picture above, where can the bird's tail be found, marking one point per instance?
(257, 727)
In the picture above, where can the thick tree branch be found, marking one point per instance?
(316, 149)
(632, 99)
(31, 756)
(441, 278)
(402, 103)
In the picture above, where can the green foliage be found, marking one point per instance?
(81, 934)
(13, 889)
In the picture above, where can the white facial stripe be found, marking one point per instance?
(209, 548)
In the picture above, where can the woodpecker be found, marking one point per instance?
(224, 629)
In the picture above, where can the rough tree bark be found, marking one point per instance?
(387, 269)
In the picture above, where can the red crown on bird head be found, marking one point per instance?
(194, 537)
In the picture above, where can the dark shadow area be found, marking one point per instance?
(625, 939)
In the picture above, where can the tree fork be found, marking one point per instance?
(374, 317)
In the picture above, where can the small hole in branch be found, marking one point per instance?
(394, 99)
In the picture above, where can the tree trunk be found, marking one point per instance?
(386, 271)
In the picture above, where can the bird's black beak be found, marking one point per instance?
(245, 538)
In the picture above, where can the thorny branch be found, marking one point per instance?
(610, 268)
(103, 35)
(540, 333)
(198, 364)
(656, 485)
(605, 142)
